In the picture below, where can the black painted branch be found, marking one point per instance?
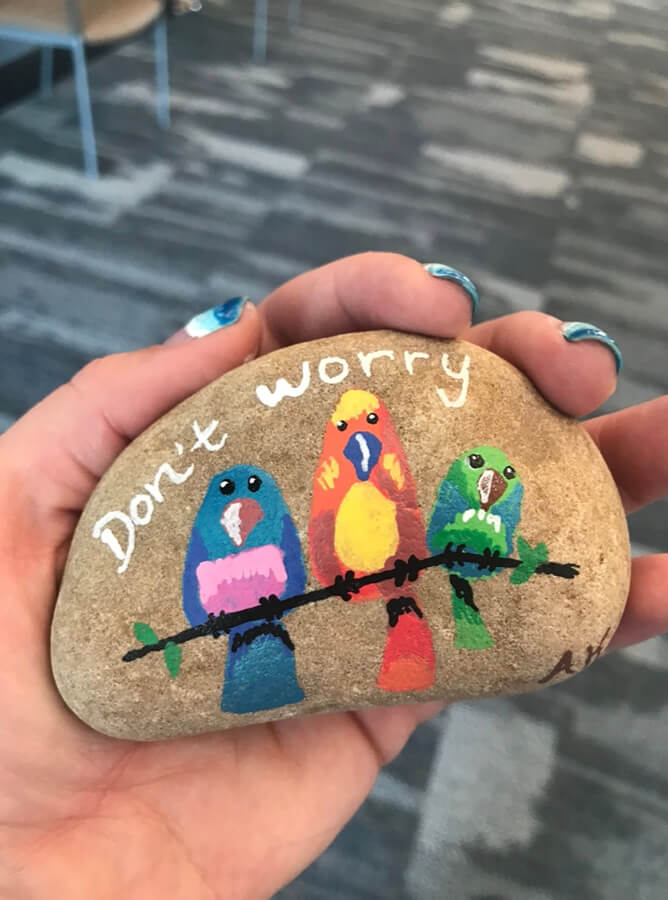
(403, 570)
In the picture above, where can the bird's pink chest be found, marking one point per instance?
(238, 581)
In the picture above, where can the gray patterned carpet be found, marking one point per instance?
(525, 141)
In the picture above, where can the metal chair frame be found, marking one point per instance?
(75, 43)
(261, 26)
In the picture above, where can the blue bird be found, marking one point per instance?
(244, 546)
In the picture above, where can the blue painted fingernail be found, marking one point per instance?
(583, 331)
(438, 270)
(218, 317)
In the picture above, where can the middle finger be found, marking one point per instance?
(574, 377)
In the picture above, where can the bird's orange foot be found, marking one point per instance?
(408, 662)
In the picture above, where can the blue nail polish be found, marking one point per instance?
(218, 317)
(438, 270)
(583, 331)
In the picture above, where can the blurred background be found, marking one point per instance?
(523, 141)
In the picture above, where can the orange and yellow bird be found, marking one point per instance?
(365, 516)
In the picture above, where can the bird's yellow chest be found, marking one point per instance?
(365, 530)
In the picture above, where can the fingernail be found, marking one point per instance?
(438, 270)
(583, 331)
(227, 313)
(221, 316)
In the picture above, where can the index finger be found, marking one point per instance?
(363, 292)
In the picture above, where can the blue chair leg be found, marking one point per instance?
(293, 14)
(46, 72)
(260, 30)
(85, 115)
(161, 71)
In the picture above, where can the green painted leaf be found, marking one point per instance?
(531, 558)
(173, 654)
(541, 553)
(145, 633)
(523, 548)
(522, 574)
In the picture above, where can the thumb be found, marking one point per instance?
(58, 451)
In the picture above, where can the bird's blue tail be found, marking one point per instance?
(260, 670)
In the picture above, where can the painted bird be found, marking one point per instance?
(364, 516)
(478, 505)
(244, 546)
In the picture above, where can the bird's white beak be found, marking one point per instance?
(491, 486)
(239, 518)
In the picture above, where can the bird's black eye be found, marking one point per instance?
(226, 486)
(372, 418)
(254, 483)
(509, 472)
(476, 461)
(341, 425)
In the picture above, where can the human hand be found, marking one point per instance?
(238, 813)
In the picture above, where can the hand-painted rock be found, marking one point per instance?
(362, 520)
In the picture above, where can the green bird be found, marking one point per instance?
(478, 506)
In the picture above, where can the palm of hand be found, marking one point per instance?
(256, 804)
(240, 813)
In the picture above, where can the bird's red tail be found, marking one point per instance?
(408, 661)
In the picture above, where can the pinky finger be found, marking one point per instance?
(646, 613)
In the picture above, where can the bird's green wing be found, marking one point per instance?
(477, 535)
